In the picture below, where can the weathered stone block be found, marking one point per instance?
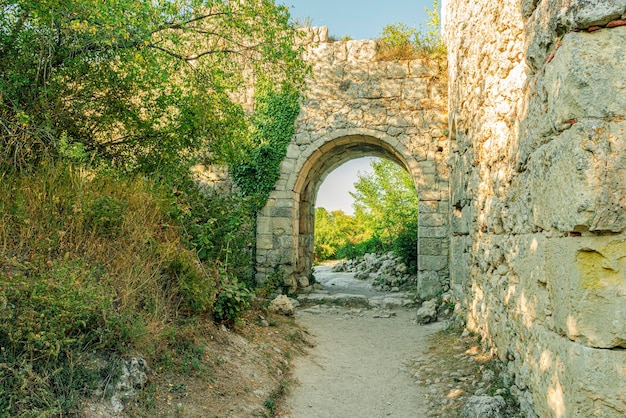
(281, 212)
(397, 70)
(264, 241)
(428, 285)
(432, 262)
(586, 77)
(577, 182)
(433, 219)
(590, 292)
(433, 246)
(432, 231)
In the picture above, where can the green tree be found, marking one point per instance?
(141, 83)
(334, 230)
(385, 199)
(399, 41)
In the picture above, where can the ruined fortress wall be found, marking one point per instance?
(356, 105)
(537, 104)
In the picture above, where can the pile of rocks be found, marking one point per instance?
(388, 271)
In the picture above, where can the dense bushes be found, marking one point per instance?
(106, 245)
(93, 262)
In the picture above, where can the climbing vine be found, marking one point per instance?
(273, 125)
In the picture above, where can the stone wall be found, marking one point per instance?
(537, 103)
(357, 106)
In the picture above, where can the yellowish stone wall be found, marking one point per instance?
(538, 194)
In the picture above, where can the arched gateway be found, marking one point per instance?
(356, 106)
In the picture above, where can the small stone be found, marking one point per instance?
(427, 313)
(282, 305)
(484, 407)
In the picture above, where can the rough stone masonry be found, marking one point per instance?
(537, 118)
(357, 106)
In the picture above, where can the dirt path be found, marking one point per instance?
(378, 362)
(358, 367)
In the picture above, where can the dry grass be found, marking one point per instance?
(101, 261)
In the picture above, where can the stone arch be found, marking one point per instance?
(286, 226)
(307, 181)
(357, 105)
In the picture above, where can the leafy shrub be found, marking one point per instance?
(399, 41)
(405, 245)
(186, 278)
(273, 125)
(372, 245)
(220, 229)
(233, 298)
(396, 42)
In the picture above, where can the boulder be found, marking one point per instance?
(282, 306)
(427, 313)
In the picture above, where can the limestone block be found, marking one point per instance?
(575, 286)
(391, 87)
(264, 224)
(568, 379)
(429, 193)
(427, 313)
(432, 262)
(396, 70)
(264, 241)
(375, 115)
(433, 246)
(293, 150)
(361, 51)
(429, 207)
(282, 305)
(321, 54)
(370, 90)
(428, 285)
(281, 212)
(281, 225)
(377, 70)
(582, 14)
(420, 68)
(355, 72)
(427, 167)
(432, 232)
(586, 77)
(590, 289)
(433, 219)
(415, 88)
(577, 182)
(460, 260)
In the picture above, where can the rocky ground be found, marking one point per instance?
(344, 350)
(372, 358)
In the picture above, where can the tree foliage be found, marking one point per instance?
(385, 199)
(334, 230)
(140, 83)
(399, 41)
(386, 215)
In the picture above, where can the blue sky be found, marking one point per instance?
(360, 19)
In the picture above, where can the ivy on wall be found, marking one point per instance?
(273, 126)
